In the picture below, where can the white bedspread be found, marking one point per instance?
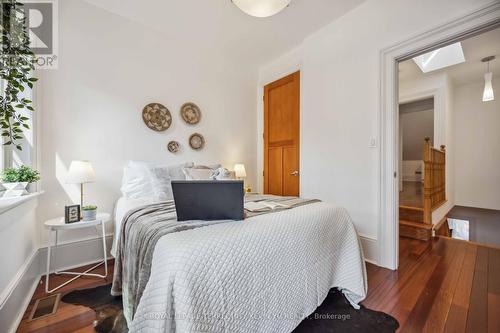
(264, 274)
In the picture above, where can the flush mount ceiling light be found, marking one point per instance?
(261, 8)
(488, 94)
(444, 57)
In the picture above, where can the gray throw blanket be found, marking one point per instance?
(141, 229)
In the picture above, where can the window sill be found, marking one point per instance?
(7, 204)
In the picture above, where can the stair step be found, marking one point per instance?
(415, 230)
(414, 214)
(416, 224)
(420, 209)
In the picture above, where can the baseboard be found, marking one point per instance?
(17, 295)
(370, 249)
(16, 298)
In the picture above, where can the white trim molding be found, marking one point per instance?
(471, 24)
(370, 248)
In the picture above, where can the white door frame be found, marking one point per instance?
(460, 28)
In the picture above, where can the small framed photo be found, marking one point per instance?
(72, 214)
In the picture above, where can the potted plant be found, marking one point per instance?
(17, 64)
(16, 181)
(89, 213)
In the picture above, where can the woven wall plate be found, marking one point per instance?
(157, 117)
(196, 141)
(174, 147)
(191, 113)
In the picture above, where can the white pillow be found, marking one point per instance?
(210, 166)
(162, 179)
(137, 181)
(145, 181)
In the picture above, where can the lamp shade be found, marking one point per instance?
(239, 170)
(261, 8)
(80, 172)
(488, 94)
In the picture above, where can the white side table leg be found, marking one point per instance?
(48, 263)
(55, 252)
(104, 249)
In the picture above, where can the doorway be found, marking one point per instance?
(282, 136)
(469, 25)
(416, 131)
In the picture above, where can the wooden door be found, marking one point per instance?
(282, 136)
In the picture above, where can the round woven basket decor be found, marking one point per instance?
(157, 117)
(196, 141)
(173, 147)
(191, 113)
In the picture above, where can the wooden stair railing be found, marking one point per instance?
(434, 179)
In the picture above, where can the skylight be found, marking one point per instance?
(441, 58)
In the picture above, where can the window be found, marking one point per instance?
(441, 58)
(12, 157)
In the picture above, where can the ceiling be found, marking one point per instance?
(472, 70)
(219, 26)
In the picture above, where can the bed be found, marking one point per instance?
(264, 274)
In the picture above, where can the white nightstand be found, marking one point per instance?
(58, 224)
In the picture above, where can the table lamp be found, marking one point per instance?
(240, 173)
(80, 172)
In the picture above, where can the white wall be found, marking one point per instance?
(451, 147)
(477, 139)
(340, 98)
(432, 85)
(415, 127)
(108, 71)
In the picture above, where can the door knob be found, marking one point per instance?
(295, 173)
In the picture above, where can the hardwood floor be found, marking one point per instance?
(69, 317)
(443, 285)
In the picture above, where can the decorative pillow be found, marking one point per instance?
(224, 174)
(199, 173)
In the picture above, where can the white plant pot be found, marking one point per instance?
(89, 215)
(15, 189)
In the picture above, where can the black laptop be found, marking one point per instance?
(208, 199)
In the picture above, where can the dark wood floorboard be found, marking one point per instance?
(493, 290)
(443, 285)
(457, 316)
